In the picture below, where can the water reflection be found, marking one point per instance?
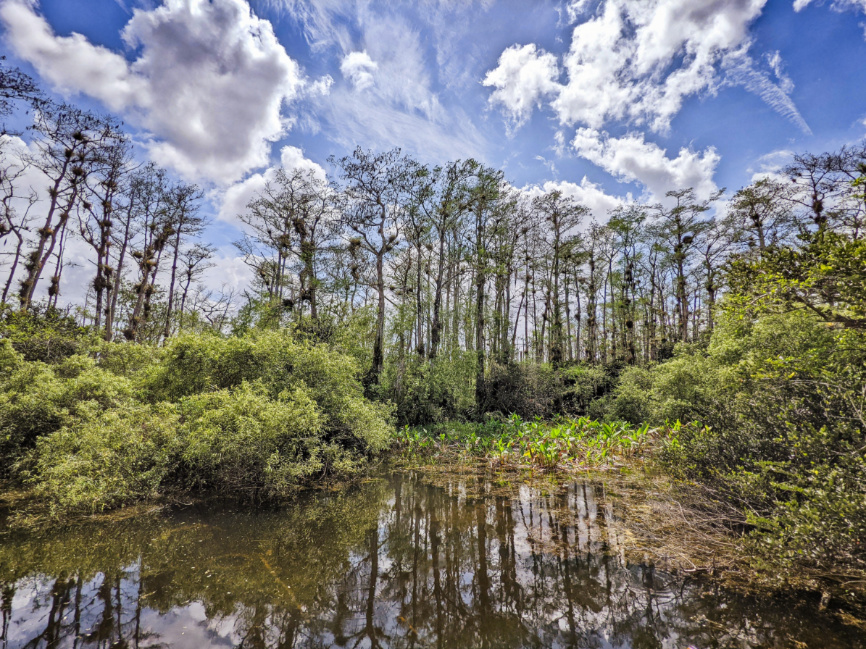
(396, 562)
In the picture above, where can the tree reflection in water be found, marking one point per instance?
(395, 562)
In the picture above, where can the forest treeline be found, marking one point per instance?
(399, 292)
(448, 262)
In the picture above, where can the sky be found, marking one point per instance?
(606, 100)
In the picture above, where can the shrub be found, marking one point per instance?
(112, 458)
(526, 389)
(784, 395)
(538, 390)
(125, 358)
(432, 392)
(37, 399)
(239, 440)
(43, 333)
(630, 400)
(198, 364)
(582, 384)
(255, 416)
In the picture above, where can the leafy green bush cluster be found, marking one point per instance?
(438, 391)
(781, 387)
(43, 333)
(253, 416)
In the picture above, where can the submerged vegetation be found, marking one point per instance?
(446, 310)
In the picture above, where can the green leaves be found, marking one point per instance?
(566, 442)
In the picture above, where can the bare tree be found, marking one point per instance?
(104, 187)
(194, 260)
(14, 221)
(69, 142)
(376, 187)
(148, 189)
(182, 205)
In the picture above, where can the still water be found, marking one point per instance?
(397, 561)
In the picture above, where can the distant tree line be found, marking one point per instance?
(449, 261)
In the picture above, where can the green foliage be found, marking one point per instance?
(432, 392)
(37, 399)
(106, 459)
(783, 387)
(581, 385)
(539, 390)
(824, 277)
(125, 358)
(251, 417)
(43, 333)
(629, 400)
(9, 358)
(565, 442)
(240, 440)
(196, 364)
(525, 389)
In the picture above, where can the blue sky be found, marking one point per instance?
(605, 99)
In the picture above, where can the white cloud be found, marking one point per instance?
(71, 64)
(576, 8)
(838, 5)
(358, 67)
(403, 79)
(770, 165)
(523, 77)
(632, 159)
(774, 59)
(637, 61)
(742, 71)
(234, 200)
(229, 272)
(586, 193)
(413, 46)
(197, 64)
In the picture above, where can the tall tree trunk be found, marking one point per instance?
(14, 266)
(170, 304)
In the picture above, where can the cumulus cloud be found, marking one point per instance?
(586, 193)
(234, 200)
(523, 77)
(632, 159)
(358, 67)
(196, 66)
(71, 64)
(638, 60)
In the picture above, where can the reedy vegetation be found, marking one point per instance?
(453, 295)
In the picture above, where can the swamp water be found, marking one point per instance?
(398, 561)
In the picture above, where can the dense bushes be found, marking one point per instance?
(444, 390)
(253, 416)
(106, 459)
(196, 364)
(43, 333)
(787, 444)
(781, 387)
(37, 399)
